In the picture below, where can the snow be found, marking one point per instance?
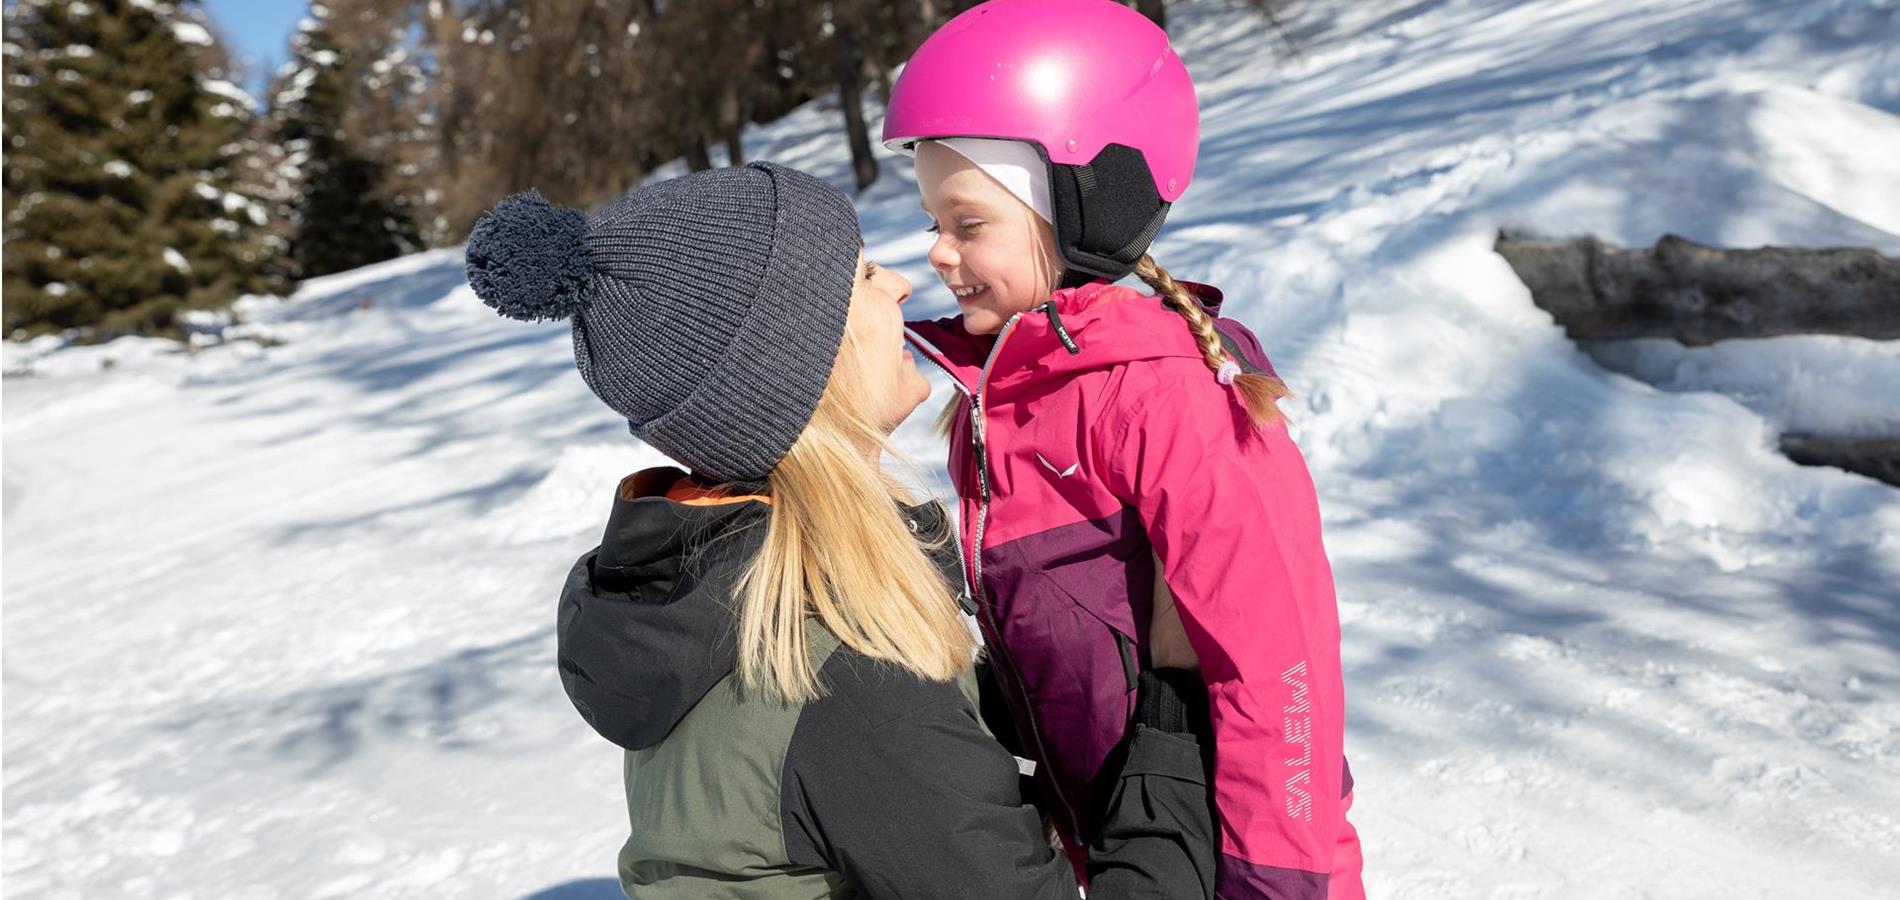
(279, 611)
(117, 168)
(230, 91)
(192, 33)
(296, 87)
(1804, 384)
(176, 260)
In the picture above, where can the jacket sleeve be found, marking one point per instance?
(1158, 838)
(994, 709)
(1232, 516)
(890, 781)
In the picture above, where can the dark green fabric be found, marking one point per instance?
(703, 803)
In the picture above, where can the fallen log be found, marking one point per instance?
(1876, 458)
(1699, 295)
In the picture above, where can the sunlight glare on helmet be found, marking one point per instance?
(1047, 80)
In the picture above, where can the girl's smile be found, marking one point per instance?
(992, 251)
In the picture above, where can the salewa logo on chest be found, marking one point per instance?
(1060, 473)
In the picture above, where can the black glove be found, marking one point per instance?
(1175, 701)
(1158, 839)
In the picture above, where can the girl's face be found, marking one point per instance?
(876, 328)
(994, 253)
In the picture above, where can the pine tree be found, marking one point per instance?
(396, 120)
(344, 216)
(125, 151)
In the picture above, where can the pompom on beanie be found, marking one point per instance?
(707, 309)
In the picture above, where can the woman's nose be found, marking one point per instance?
(900, 286)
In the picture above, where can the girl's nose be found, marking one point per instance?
(942, 256)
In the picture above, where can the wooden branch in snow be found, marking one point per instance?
(1876, 457)
(1699, 295)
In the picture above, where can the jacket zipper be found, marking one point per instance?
(986, 611)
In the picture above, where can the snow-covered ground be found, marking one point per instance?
(278, 619)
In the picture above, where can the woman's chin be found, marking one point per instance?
(916, 390)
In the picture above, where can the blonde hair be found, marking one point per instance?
(837, 549)
(1261, 393)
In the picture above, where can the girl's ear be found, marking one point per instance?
(1050, 261)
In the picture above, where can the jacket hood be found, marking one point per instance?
(647, 622)
(1094, 326)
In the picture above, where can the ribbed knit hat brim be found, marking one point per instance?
(707, 309)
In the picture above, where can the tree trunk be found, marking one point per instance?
(850, 72)
(731, 120)
(1155, 10)
(735, 149)
(697, 159)
(881, 84)
(1699, 295)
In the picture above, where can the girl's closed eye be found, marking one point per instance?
(968, 227)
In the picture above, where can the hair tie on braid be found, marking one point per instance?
(1258, 392)
(1229, 370)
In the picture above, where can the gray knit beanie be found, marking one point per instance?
(708, 309)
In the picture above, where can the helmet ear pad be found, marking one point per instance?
(1107, 213)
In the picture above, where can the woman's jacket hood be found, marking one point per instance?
(647, 622)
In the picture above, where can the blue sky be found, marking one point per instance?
(259, 31)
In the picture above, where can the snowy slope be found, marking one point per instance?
(278, 620)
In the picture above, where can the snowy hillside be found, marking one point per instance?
(278, 619)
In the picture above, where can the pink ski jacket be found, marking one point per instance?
(1091, 435)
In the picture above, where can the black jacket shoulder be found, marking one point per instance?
(891, 780)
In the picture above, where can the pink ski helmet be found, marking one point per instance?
(1091, 83)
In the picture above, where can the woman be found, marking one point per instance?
(766, 635)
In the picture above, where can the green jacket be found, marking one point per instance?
(886, 786)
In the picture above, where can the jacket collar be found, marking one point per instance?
(1094, 326)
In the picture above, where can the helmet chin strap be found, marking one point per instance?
(1107, 213)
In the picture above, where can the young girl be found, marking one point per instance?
(765, 636)
(1119, 456)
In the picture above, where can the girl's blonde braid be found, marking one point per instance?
(1260, 393)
